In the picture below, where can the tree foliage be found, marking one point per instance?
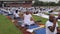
(40, 3)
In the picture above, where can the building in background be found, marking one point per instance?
(15, 3)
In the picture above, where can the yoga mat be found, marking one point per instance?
(40, 31)
(12, 16)
(33, 26)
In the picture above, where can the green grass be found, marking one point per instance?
(55, 14)
(42, 19)
(59, 24)
(7, 27)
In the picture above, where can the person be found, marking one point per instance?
(16, 15)
(20, 21)
(40, 13)
(10, 14)
(51, 25)
(28, 20)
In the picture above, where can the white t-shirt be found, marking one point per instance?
(23, 9)
(27, 19)
(9, 12)
(48, 23)
(16, 14)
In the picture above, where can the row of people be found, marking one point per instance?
(31, 9)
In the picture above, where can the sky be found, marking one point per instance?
(50, 0)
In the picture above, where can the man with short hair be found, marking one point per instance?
(51, 25)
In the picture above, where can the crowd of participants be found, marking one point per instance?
(23, 16)
(31, 9)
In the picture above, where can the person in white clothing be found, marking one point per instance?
(39, 12)
(16, 15)
(51, 25)
(10, 14)
(28, 20)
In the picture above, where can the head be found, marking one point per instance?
(16, 11)
(51, 17)
(27, 12)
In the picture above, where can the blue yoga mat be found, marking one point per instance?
(0, 12)
(33, 26)
(40, 31)
(20, 22)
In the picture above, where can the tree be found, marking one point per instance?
(40, 3)
(51, 4)
(58, 3)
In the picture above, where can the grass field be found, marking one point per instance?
(7, 27)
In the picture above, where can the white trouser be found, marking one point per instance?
(27, 23)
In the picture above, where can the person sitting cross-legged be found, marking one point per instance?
(28, 20)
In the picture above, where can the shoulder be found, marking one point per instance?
(48, 23)
(30, 15)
